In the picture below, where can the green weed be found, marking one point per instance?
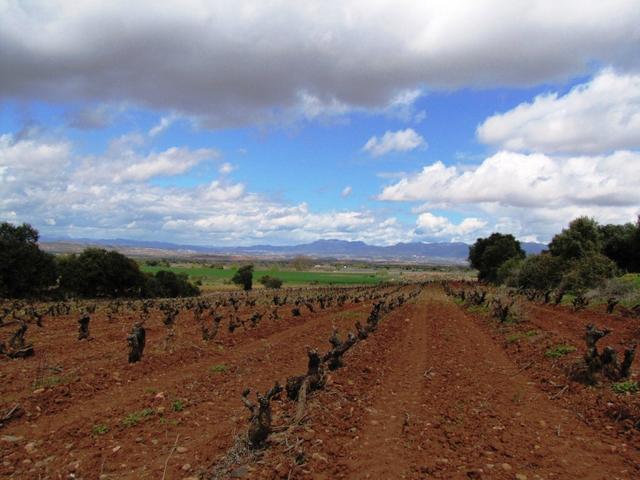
(559, 351)
(628, 386)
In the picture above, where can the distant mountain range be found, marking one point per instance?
(443, 252)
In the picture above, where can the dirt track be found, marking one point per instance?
(433, 393)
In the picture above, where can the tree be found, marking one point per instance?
(271, 282)
(100, 273)
(621, 244)
(541, 272)
(508, 272)
(169, 284)
(588, 272)
(582, 238)
(487, 254)
(25, 270)
(244, 277)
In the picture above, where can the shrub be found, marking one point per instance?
(271, 282)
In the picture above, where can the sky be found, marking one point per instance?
(283, 122)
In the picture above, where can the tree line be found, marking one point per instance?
(27, 271)
(579, 258)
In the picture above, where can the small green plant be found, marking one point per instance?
(135, 417)
(99, 429)
(51, 381)
(479, 309)
(168, 421)
(220, 368)
(177, 405)
(628, 386)
(514, 337)
(559, 351)
(531, 333)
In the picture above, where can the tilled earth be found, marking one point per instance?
(435, 392)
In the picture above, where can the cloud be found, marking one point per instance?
(528, 194)
(226, 168)
(346, 191)
(436, 226)
(527, 180)
(42, 181)
(400, 141)
(253, 62)
(125, 164)
(164, 123)
(599, 116)
(172, 161)
(91, 118)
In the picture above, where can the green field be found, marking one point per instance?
(213, 276)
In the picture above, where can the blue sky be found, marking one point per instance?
(375, 121)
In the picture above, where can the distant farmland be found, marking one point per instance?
(211, 276)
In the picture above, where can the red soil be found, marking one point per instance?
(434, 393)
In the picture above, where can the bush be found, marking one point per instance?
(271, 282)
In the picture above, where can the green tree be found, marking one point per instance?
(487, 254)
(509, 271)
(589, 271)
(581, 238)
(169, 284)
(244, 277)
(271, 282)
(620, 243)
(25, 270)
(541, 272)
(100, 273)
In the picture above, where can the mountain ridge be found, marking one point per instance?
(453, 251)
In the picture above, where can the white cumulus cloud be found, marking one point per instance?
(43, 182)
(595, 117)
(528, 194)
(438, 226)
(400, 141)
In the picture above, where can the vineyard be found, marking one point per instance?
(430, 380)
